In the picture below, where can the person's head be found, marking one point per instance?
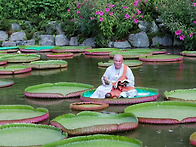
(118, 60)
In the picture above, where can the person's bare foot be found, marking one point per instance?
(108, 95)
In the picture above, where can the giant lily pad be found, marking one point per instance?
(164, 112)
(154, 50)
(22, 114)
(161, 58)
(36, 49)
(97, 141)
(14, 69)
(74, 49)
(88, 122)
(6, 83)
(100, 51)
(10, 49)
(130, 63)
(193, 139)
(48, 64)
(131, 54)
(29, 135)
(88, 105)
(60, 56)
(143, 95)
(16, 58)
(189, 53)
(56, 90)
(181, 95)
(3, 61)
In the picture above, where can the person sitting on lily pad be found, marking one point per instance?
(117, 81)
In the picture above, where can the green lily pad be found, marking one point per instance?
(143, 95)
(60, 55)
(131, 54)
(97, 141)
(88, 106)
(10, 49)
(14, 69)
(16, 58)
(29, 135)
(193, 139)
(161, 58)
(56, 90)
(88, 122)
(154, 50)
(181, 95)
(164, 112)
(22, 114)
(130, 63)
(48, 64)
(189, 53)
(70, 48)
(6, 83)
(100, 51)
(36, 48)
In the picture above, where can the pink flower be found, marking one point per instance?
(178, 32)
(182, 37)
(77, 12)
(110, 5)
(194, 21)
(91, 18)
(127, 16)
(135, 4)
(142, 16)
(68, 10)
(124, 7)
(97, 13)
(73, 20)
(101, 19)
(81, 17)
(194, 4)
(145, 1)
(101, 13)
(107, 9)
(136, 21)
(133, 16)
(156, 8)
(138, 12)
(191, 34)
(111, 13)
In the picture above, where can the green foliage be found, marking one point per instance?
(179, 15)
(105, 20)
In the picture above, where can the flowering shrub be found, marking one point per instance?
(106, 19)
(179, 17)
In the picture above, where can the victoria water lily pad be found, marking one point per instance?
(154, 50)
(35, 49)
(58, 49)
(99, 140)
(6, 83)
(143, 95)
(161, 58)
(181, 95)
(22, 114)
(130, 63)
(10, 49)
(16, 58)
(56, 90)
(48, 64)
(131, 54)
(193, 139)
(88, 105)
(29, 134)
(189, 53)
(59, 56)
(14, 69)
(88, 122)
(100, 51)
(164, 112)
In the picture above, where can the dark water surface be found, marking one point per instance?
(83, 69)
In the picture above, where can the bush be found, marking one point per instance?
(179, 17)
(105, 19)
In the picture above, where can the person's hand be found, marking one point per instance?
(107, 82)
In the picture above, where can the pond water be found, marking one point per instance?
(84, 69)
